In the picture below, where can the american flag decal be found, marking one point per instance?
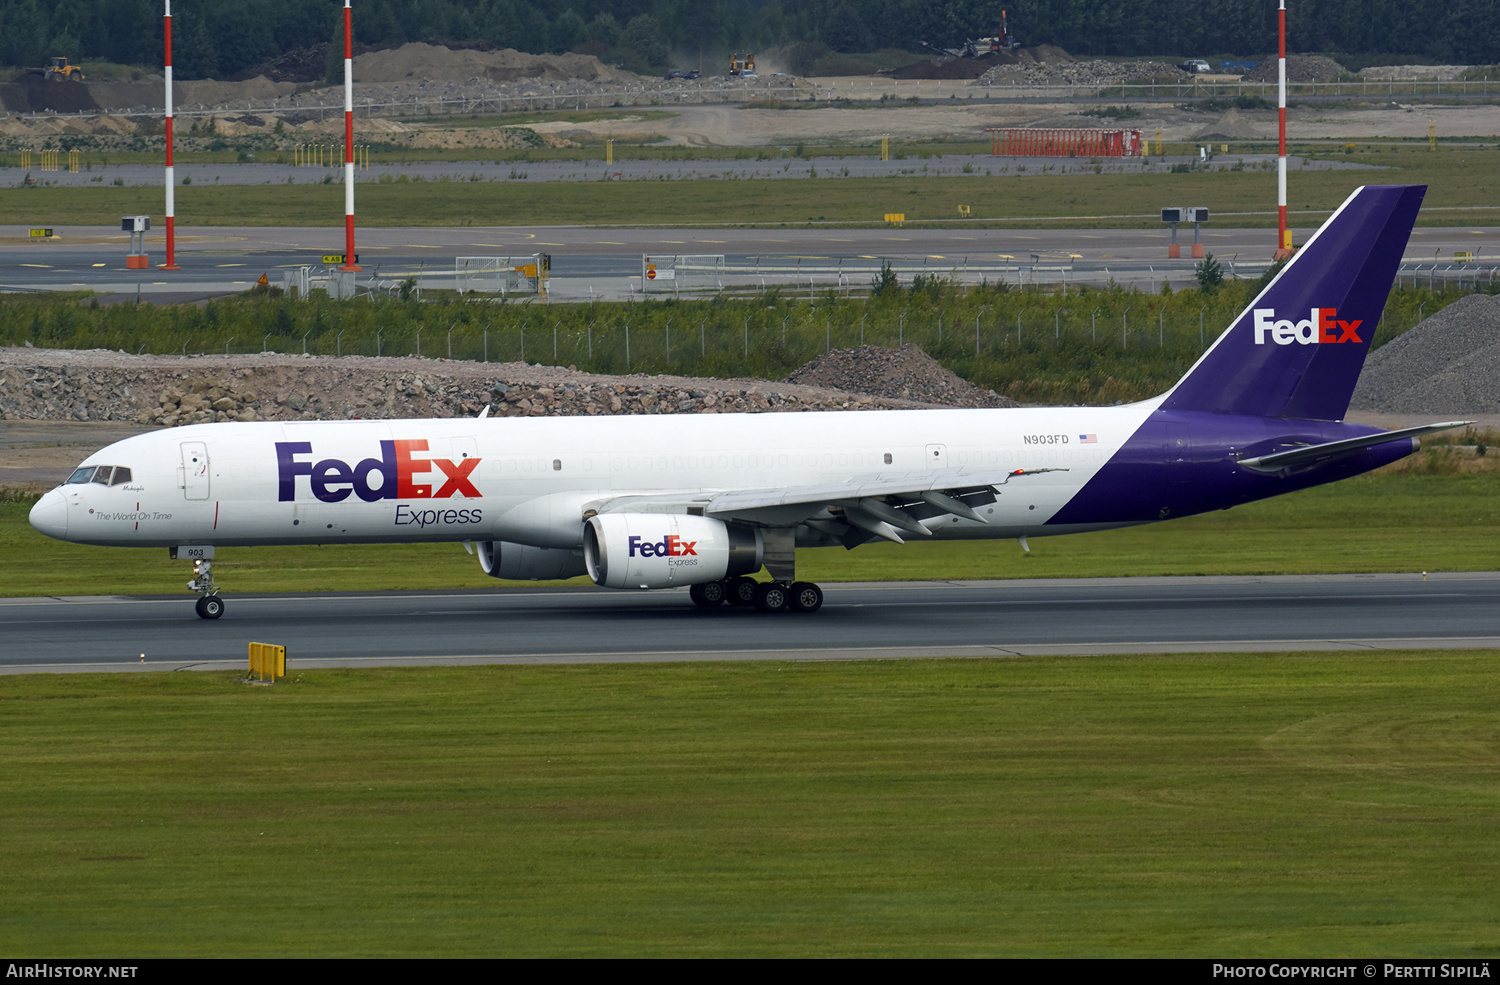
(1088, 439)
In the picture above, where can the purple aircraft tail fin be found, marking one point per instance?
(1297, 349)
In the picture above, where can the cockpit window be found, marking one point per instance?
(104, 475)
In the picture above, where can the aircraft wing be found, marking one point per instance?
(877, 504)
(1311, 454)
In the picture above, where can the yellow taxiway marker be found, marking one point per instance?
(43, 266)
(99, 265)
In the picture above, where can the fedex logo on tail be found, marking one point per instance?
(1320, 327)
(397, 469)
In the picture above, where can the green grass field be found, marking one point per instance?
(1394, 522)
(1458, 178)
(1229, 805)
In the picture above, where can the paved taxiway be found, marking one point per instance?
(591, 262)
(926, 619)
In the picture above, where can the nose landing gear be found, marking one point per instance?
(210, 606)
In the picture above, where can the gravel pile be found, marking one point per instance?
(1299, 68)
(1447, 365)
(99, 385)
(1090, 73)
(1408, 73)
(906, 373)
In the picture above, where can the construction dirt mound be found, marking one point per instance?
(34, 94)
(437, 61)
(426, 61)
(1447, 365)
(906, 373)
(972, 68)
(1299, 68)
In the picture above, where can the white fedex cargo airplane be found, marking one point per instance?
(707, 500)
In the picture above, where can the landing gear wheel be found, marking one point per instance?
(709, 594)
(772, 596)
(210, 607)
(741, 590)
(806, 597)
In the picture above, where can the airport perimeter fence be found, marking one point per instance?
(1011, 340)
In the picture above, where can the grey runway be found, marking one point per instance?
(917, 619)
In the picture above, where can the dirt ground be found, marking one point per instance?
(734, 126)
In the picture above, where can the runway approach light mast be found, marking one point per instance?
(1284, 235)
(171, 263)
(349, 254)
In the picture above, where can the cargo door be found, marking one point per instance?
(193, 474)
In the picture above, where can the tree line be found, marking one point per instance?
(230, 37)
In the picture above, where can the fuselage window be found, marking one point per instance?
(887, 458)
(81, 475)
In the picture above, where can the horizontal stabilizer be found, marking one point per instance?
(1311, 454)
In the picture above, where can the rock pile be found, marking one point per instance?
(52, 384)
(906, 373)
(1447, 365)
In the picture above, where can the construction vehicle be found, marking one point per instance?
(979, 47)
(58, 71)
(742, 63)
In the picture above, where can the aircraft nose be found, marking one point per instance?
(50, 515)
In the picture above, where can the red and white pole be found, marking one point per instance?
(349, 263)
(171, 263)
(1284, 235)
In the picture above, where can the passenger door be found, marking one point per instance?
(193, 473)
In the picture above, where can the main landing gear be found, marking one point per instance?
(210, 605)
(767, 596)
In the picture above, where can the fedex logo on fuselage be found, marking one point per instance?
(672, 546)
(333, 479)
(1318, 328)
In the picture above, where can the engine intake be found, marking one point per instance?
(522, 562)
(663, 550)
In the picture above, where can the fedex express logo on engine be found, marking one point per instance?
(671, 546)
(1319, 327)
(391, 476)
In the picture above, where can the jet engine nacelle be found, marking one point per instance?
(522, 562)
(663, 550)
